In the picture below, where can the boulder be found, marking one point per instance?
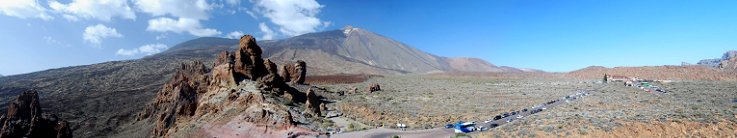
(374, 87)
(25, 119)
(294, 73)
(313, 102)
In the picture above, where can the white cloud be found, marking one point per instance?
(148, 49)
(126, 52)
(189, 14)
(268, 33)
(103, 10)
(94, 34)
(162, 36)
(234, 35)
(192, 9)
(151, 49)
(24, 9)
(192, 26)
(294, 17)
(252, 14)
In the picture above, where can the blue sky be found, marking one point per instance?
(558, 36)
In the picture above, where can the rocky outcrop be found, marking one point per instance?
(177, 98)
(294, 73)
(25, 119)
(248, 62)
(374, 87)
(243, 90)
(223, 71)
(271, 80)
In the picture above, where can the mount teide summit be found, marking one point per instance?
(355, 50)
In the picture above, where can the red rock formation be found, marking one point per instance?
(294, 73)
(248, 60)
(223, 71)
(271, 80)
(178, 98)
(25, 120)
(374, 87)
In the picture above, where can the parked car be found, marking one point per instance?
(524, 110)
(449, 126)
(510, 120)
(481, 128)
(497, 117)
(513, 113)
(535, 111)
(487, 121)
(519, 116)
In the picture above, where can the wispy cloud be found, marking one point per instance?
(148, 49)
(103, 10)
(293, 17)
(268, 33)
(192, 9)
(96, 33)
(24, 9)
(234, 35)
(191, 26)
(189, 14)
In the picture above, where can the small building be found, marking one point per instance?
(617, 78)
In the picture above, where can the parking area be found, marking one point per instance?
(508, 117)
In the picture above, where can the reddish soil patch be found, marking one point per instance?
(338, 79)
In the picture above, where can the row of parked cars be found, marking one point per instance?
(470, 126)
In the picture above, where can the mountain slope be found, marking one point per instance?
(472, 65)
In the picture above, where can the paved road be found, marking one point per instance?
(444, 132)
(545, 106)
(387, 133)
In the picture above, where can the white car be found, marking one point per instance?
(519, 116)
(487, 121)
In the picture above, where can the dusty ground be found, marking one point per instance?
(691, 108)
(432, 101)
